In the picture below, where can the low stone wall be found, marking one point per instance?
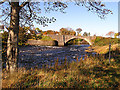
(42, 43)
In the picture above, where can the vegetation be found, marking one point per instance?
(22, 37)
(110, 33)
(38, 30)
(47, 38)
(4, 47)
(86, 34)
(116, 34)
(92, 72)
(74, 42)
(78, 30)
(101, 41)
(50, 32)
(4, 37)
(67, 31)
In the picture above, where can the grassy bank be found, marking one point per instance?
(102, 41)
(105, 49)
(101, 44)
(93, 72)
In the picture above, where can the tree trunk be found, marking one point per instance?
(12, 43)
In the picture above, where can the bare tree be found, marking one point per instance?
(15, 14)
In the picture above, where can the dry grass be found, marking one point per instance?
(92, 72)
(104, 49)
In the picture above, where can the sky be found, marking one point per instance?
(78, 17)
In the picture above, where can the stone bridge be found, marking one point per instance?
(63, 39)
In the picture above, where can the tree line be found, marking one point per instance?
(37, 34)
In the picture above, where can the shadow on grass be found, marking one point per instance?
(114, 54)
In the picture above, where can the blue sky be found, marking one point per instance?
(78, 17)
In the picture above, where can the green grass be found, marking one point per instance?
(93, 72)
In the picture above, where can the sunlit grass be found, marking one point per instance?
(95, 72)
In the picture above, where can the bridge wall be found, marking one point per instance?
(62, 39)
(58, 38)
(86, 38)
(89, 41)
(42, 43)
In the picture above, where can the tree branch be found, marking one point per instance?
(24, 3)
(7, 16)
(94, 6)
(3, 1)
(30, 10)
(9, 3)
